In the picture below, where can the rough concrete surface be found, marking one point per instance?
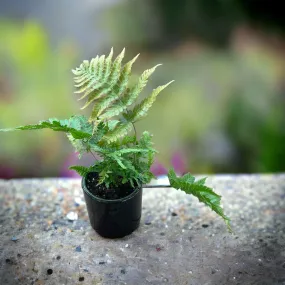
(46, 237)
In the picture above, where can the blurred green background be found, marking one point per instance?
(225, 113)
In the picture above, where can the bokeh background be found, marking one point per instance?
(225, 113)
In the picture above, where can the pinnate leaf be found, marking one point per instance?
(198, 189)
(77, 126)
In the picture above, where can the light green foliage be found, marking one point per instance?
(197, 188)
(122, 158)
(105, 85)
(76, 126)
(81, 170)
(141, 109)
(125, 161)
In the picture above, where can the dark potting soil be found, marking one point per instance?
(101, 191)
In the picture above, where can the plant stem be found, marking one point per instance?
(135, 157)
(135, 130)
(93, 155)
(156, 186)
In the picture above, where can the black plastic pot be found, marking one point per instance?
(114, 218)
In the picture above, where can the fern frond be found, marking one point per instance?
(108, 64)
(142, 82)
(130, 150)
(112, 124)
(77, 126)
(94, 75)
(80, 146)
(105, 84)
(101, 105)
(82, 75)
(119, 131)
(128, 140)
(130, 96)
(201, 181)
(141, 109)
(187, 178)
(118, 160)
(146, 140)
(101, 67)
(114, 95)
(204, 194)
(116, 67)
(81, 170)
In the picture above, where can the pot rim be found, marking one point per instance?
(124, 199)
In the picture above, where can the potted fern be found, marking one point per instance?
(113, 184)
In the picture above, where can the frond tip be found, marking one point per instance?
(105, 85)
(76, 126)
(141, 109)
(204, 194)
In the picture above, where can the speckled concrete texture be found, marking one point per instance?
(46, 237)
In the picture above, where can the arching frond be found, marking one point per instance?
(204, 194)
(76, 126)
(140, 110)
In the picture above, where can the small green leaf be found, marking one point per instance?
(81, 170)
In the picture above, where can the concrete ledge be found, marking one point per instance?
(46, 238)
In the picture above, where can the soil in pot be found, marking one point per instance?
(113, 212)
(106, 193)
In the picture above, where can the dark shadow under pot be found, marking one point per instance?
(113, 213)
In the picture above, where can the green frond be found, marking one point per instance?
(113, 111)
(141, 109)
(116, 67)
(112, 124)
(130, 150)
(101, 105)
(101, 67)
(118, 160)
(125, 74)
(80, 146)
(121, 104)
(128, 140)
(77, 126)
(132, 95)
(94, 77)
(80, 123)
(105, 84)
(119, 131)
(116, 93)
(95, 147)
(204, 194)
(188, 178)
(146, 140)
(99, 131)
(201, 181)
(81, 170)
(95, 95)
(108, 64)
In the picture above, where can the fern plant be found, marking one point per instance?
(103, 83)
